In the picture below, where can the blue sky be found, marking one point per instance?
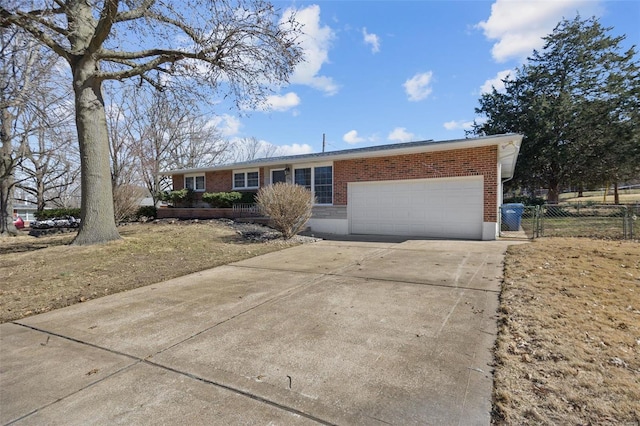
(380, 72)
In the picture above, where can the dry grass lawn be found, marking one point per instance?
(41, 274)
(568, 349)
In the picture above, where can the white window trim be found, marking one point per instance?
(194, 176)
(245, 172)
(313, 166)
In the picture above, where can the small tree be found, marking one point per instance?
(288, 205)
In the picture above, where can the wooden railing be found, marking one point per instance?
(247, 209)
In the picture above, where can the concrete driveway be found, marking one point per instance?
(333, 332)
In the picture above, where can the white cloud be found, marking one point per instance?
(227, 124)
(519, 25)
(282, 102)
(352, 137)
(295, 149)
(400, 134)
(458, 125)
(418, 87)
(315, 42)
(496, 82)
(371, 39)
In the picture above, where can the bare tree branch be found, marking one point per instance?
(134, 14)
(26, 22)
(103, 28)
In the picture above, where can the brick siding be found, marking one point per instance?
(480, 161)
(220, 181)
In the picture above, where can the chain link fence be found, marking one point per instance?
(571, 220)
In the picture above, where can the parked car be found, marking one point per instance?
(18, 222)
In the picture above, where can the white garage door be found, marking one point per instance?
(440, 208)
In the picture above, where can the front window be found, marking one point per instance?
(194, 183)
(323, 184)
(319, 180)
(246, 180)
(302, 177)
(252, 179)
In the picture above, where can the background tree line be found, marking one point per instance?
(577, 103)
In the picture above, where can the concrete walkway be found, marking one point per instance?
(333, 332)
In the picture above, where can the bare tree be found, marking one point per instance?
(198, 143)
(122, 151)
(48, 165)
(24, 67)
(251, 148)
(159, 118)
(161, 131)
(240, 46)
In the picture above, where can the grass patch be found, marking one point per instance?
(595, 227)
(626, 196)
(42, 274)
(568, 347)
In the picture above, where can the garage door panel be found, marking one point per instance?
(445, 208)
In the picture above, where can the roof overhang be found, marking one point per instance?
(508, 149)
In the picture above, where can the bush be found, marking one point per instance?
(180, 198)
(527, 201)
(150, 212)
(221, 200)
(126, 200)
(287, 205)
(248, 198)
(53, 213)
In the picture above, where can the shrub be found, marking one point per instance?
(221, 199)
(182, 197)
(287, 205)
(527, 201)
(126, 200)
(150, 212)
(52, 213)
(248, 197)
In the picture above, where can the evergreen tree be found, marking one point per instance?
(576, 101)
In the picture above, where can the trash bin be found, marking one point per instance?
(512, 216)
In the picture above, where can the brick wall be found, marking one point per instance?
(329, 212)
(480, 161)
(178, 182)
(220, 181)
(198, 213)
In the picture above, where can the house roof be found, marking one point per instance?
(23, 206)
(508, 149)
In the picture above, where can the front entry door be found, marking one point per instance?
(278, 176)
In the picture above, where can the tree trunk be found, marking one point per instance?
(7, 228)
(98, 222)
(554, 192)
(7, 168)
(616, 195)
